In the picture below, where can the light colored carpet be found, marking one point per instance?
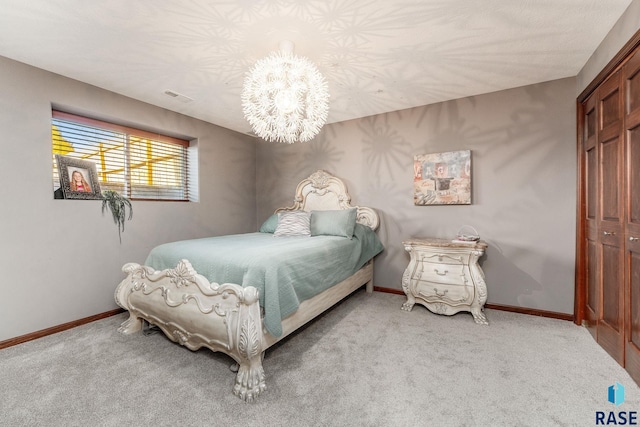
(363, 363)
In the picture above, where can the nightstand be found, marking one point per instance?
(445, 277)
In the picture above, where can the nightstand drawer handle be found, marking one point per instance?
(606, 233)
(633, 239)
(440, 294)
(440, 274)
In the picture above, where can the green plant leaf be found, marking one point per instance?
(117, 204)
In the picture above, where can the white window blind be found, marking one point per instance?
(136, 163)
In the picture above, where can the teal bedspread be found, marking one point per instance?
(285, 270)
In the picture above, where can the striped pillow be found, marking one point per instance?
(293, 223)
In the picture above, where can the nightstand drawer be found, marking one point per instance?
(441, 258)
(452, 274)
(448, 294)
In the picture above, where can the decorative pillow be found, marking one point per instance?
(293, 223)
(269, 226)
(334, 223)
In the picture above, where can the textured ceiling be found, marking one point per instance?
(377, 55)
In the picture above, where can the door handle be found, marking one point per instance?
(633, 239)
(606, 233)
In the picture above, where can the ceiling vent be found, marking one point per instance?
(180, 97)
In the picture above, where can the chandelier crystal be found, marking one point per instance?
(285, 98)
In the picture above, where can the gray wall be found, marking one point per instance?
(524, 184)
(61, 259)
(622, 31)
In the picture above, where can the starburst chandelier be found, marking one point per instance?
(285, 98)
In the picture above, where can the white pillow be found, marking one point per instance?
(293, 223)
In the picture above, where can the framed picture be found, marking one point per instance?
(78, 178)
(442, 178)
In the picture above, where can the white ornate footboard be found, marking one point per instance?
(196, 313)
(226, 318)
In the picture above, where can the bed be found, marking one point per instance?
(241, 294)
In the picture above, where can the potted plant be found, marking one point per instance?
(118, 205)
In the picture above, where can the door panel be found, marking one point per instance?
(610, 103)
(611, 287)
(591, 268)
(610, 330)
(592, 176)
(633, 175)
(611, 326)
(610, 196)
(593, 294)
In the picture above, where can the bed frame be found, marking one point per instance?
(227, 317)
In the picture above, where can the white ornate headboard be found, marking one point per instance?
(323, 191)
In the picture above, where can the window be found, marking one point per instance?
(136, 163)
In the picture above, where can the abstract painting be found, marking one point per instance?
(442, 178)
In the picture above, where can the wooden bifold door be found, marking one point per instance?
(608, 276)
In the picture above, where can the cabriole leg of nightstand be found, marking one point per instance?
(411, 301)
(479, 316)
(408, 305)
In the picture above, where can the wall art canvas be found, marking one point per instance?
(442, 178)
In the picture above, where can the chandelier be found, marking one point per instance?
(285, 98)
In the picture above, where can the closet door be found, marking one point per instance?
(632, 232)
(610, 329)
